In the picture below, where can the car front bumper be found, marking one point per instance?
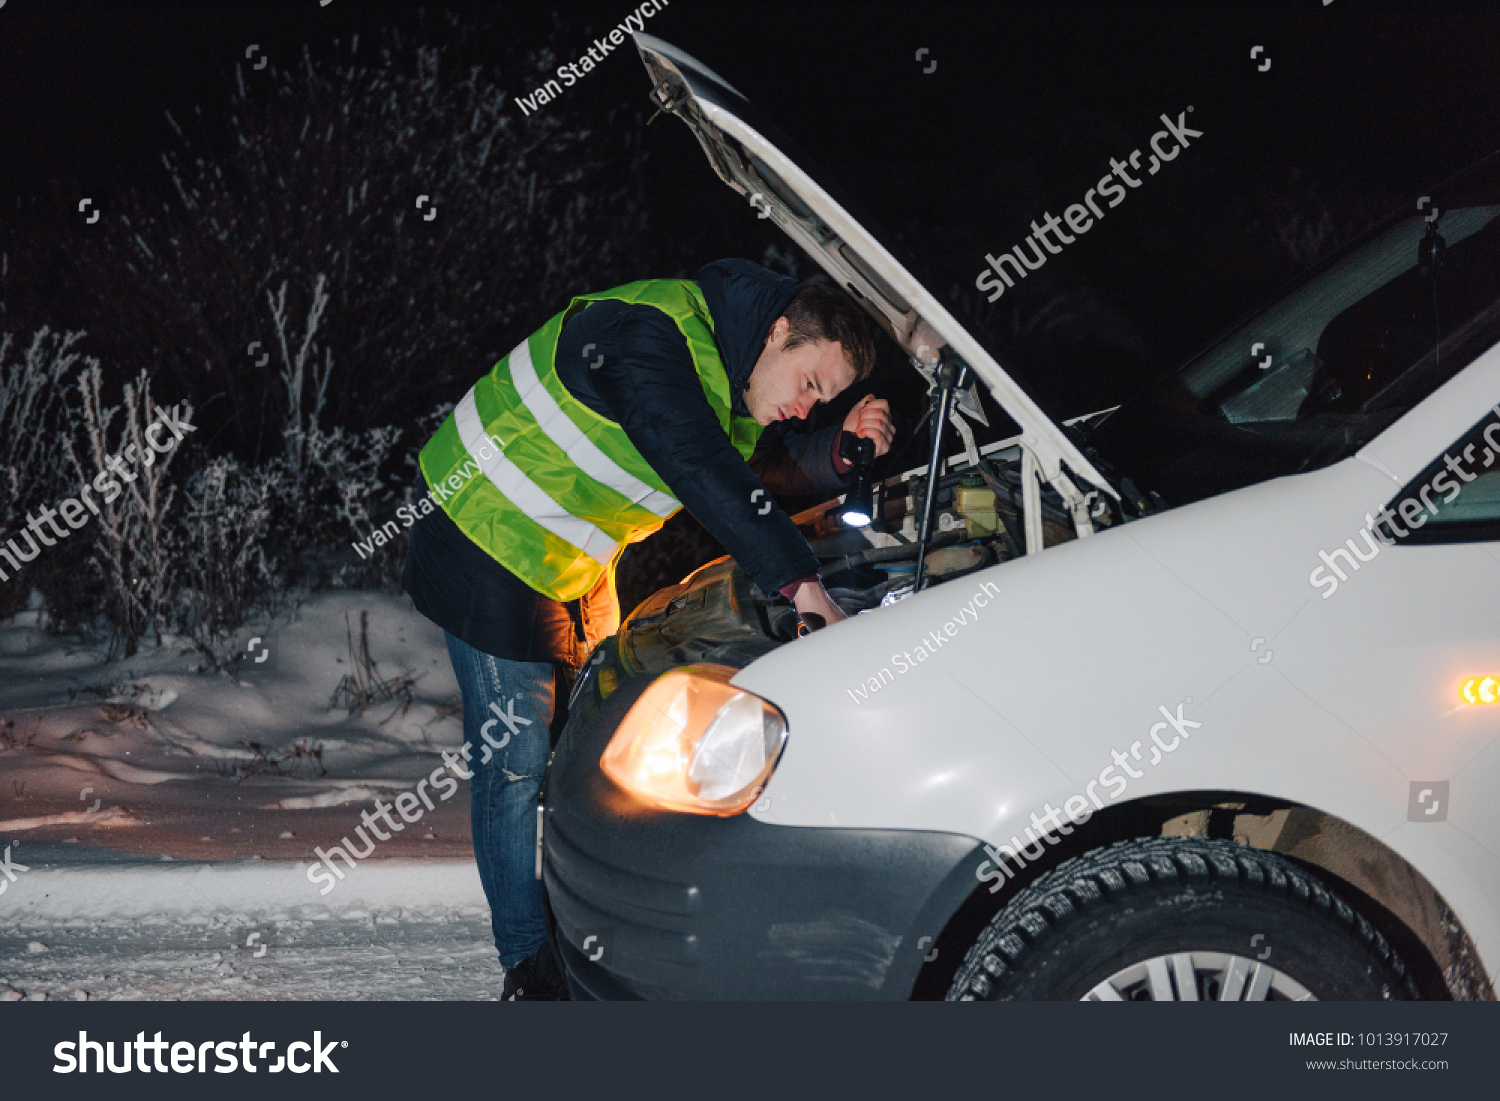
(646, 903)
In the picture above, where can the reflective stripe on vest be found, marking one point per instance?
(550, 489)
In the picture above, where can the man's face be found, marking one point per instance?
(787, 384)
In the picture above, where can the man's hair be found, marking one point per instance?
(823, 312)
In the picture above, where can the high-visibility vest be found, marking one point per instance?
(550, 489)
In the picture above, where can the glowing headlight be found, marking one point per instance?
(694, 742)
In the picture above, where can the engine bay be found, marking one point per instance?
(717, 614)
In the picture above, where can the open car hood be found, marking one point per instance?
(736, 140)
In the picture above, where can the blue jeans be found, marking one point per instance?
(508, 707)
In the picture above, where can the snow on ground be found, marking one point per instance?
(246, 930)
(167, 818)
(147, 755)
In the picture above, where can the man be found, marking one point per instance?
(624, 407)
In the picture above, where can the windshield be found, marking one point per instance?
(1316, 375)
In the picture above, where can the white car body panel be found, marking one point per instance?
(1077, 647)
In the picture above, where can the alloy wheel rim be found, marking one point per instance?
(1199, 977)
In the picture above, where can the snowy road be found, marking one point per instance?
(249, 930)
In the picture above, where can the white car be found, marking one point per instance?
(1169, 709)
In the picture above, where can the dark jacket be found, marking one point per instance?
(647, 384)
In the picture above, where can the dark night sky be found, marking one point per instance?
(1027, 105)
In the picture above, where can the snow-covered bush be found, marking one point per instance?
(132, 541)
(220, 546)
(35, 419)
(330, 490)
(326, 483)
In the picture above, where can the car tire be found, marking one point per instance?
(1182, 919)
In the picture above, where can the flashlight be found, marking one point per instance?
(859, 502)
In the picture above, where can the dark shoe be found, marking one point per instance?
(536, 979)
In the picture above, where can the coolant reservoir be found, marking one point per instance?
(975, 502)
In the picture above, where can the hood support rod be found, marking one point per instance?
(952, 375)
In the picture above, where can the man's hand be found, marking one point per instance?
(871, 418)
(812, 597)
